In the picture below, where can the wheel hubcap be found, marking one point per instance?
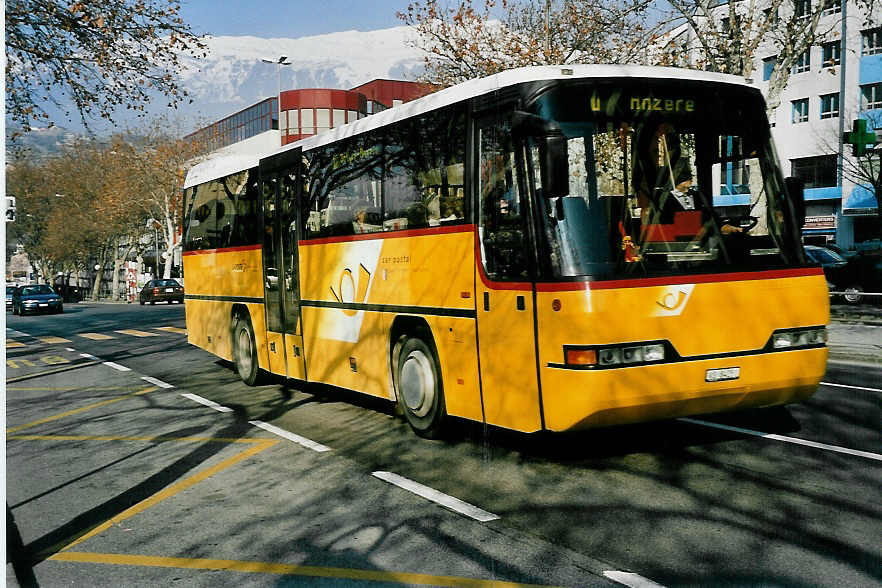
(418, 383)
(244, 351)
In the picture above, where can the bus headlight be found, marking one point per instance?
(614, 355)
(797, 338)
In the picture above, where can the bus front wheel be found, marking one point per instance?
(245, 350)
(420, 393)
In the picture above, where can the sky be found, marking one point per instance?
(289, 18)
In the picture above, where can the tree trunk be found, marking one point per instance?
(114, 287)
(96, 287)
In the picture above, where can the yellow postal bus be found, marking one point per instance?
(544, 249)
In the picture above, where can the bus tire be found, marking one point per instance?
(245, 350)
(420, 390)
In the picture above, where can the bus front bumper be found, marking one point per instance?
(577, 399)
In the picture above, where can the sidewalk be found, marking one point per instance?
(855, 333)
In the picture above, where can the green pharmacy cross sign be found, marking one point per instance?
(859, 138)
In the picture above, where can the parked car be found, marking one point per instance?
(9, 291)
(36, 298)
(161, 291)
(852, 277)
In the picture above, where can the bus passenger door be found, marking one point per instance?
(504, 286)
(280, 176)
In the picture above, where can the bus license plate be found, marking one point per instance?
(722, 374)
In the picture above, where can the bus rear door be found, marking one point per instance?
(280, 178)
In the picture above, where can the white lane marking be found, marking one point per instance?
(69, 349)
(308, 443)
(852, 387)
(793, 440)
(16, 333)
(156, 382)
(116, 366)
(446, 500)
(631, 579)
(207, 402)
(88, 356)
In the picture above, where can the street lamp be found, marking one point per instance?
(282, 60)
(152, 222)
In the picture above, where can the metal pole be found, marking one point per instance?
(842, 61)
(279, 96)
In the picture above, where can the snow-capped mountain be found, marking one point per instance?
(233, 75)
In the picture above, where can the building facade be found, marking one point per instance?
(306, 112)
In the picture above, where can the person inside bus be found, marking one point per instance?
(660, 170)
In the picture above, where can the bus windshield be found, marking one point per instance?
(660, 178)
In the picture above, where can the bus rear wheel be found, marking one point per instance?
(420, 391)
(245, 350)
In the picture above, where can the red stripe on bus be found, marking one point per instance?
(674, 280)
(391, 234)
(223, 250)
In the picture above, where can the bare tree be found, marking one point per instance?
(729, 36)
(463, 42)
(155, 162)
(99, 55)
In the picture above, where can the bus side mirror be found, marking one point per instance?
(554, 166)
(795, 188)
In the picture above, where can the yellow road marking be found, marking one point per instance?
(173, 330)
(172, 490)
(78, 410)
(70, 389)
(133, 438)
(12, 343)
(137, 333)
(53, 339)
(48, 372)
(281, 569)
(96, 336)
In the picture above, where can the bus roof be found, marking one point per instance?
(458, 93)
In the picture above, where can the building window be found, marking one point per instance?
(833, 7)
(871, 41)
(830, 54)
(769, 66)
(830, 105)
(816, 172)
(871, 96)
(351, 115)
(802, 8)
(800, 111)
(339, 118)
(803, 62)
(322, 119)
(307, 125)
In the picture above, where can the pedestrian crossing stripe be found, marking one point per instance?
(50, 339)
(178, 330)
(137, 333)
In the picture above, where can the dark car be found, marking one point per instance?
(36, 298)
(161, 291)
(852, 277)
(9, 291)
